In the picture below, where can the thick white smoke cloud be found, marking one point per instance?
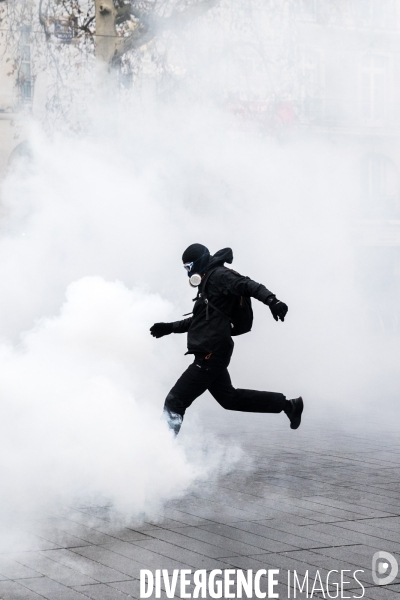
(82, 381)
(79, 419)
(83, 385)
(104, 219)
(71, 415)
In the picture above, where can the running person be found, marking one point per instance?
(209, 332)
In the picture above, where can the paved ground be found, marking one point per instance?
(316, 499)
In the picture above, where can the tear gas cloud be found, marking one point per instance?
(92, 232)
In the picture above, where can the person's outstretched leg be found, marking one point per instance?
(243, 400)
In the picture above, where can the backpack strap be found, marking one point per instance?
(207, 277)
(208, 303)
(206, 300)
(198, 295)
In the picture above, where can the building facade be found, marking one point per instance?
(329, 70)
(16, 92)
(350, 94)
(326, 68)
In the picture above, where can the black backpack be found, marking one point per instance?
(242, 313)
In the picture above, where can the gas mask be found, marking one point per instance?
(195, 279)
(196, 268)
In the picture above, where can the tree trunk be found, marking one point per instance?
(106, 35)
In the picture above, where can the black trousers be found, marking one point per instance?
(211, 373)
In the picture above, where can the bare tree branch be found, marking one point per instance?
(124, 13)
(85, 26)
(146, 31)
(43, 21)
(139, 37)
(183, 17)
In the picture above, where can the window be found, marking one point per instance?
(24, 73)
(251, 69)
(307, 9)
(376, 13)
(374, 88)
(311, 92)
(377, 278)
(380, 188)
(246, 72)
(377, 268)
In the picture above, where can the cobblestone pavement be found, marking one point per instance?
(316, 499)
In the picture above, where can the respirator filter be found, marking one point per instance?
(195, 280)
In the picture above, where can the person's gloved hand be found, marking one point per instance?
(160, 329)
(279, 309)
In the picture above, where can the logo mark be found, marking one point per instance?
(384, 568)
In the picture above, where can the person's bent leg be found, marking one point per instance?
(191, 384)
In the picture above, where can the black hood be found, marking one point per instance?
(219, 258)
(199, 256)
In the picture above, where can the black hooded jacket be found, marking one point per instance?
(223, 285)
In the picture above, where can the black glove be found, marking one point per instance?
(279, 309)
(160, 329)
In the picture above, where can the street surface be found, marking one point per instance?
(320, 498)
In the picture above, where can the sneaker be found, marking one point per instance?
(295, 414)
